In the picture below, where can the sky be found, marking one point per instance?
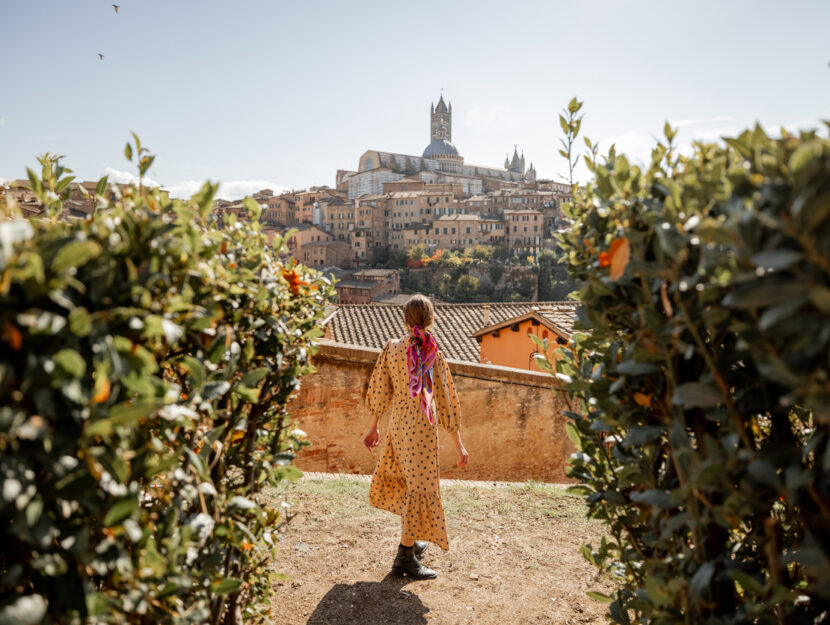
(282, 94)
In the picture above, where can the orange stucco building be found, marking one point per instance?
(508, 343)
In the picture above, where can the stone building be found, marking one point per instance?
(524, 230)
(362, 287)
(325, 254)
(440, 162)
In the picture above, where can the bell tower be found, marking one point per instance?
(440, 121)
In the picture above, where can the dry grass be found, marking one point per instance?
(514, 558)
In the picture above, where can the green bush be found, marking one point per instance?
(145, 364)
(701, 381)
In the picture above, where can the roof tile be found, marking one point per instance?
(372, 325)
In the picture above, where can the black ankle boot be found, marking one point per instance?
(419, 547)
(407, 564)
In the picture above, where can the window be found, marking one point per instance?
(367, 166)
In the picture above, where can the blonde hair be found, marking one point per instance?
(418, 311)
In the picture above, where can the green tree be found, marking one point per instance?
(697, 378)
(417, 252)
(466, 288)
(554, 282)
(146, 358)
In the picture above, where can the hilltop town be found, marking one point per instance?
(393, 202)
(402, 212)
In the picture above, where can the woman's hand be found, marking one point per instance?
(463, 455)
(372, 438)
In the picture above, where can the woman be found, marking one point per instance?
(412, 376)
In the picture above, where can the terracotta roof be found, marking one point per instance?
(371, 325)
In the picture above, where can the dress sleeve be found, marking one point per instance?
(379, 393)
(446, 399)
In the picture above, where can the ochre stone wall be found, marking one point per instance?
(512, 422)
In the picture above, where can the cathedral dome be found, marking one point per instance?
(440, 148)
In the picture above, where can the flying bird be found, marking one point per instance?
(115, 6)
(100, 56)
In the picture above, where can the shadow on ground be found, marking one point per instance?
(385, 602)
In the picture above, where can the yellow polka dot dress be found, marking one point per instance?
(406, 476)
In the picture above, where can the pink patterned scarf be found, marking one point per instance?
(420, 356)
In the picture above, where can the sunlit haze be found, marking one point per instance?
(281, 95)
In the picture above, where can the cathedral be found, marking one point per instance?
(440, 162)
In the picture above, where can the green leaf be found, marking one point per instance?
(696, 395)
(701, 579)
(170, 589)
(145, 164)
(128, 151)
(803, 155)
(34, 182)
(669, 132)
(126, 414)
(250, 395)
(122, 509)
(654, 497)
(641, 434)
(598, 596)
(211, 438)
(776, 259)
(630, 367)
(101, 186)
(71, 362)
(226, 586)
(253, 376)
(75, 254)
(80, 322)
(747, 581)
(253, 208)
(573, 434)
(540, 342)
(563, 123)
(765, 293)
(99, 603)
(196, 371)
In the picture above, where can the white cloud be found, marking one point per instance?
(231, 190)
(637, 143)
(124, 177)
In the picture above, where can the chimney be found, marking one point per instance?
(486, 320)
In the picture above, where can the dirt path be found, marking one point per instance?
(514, 559)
